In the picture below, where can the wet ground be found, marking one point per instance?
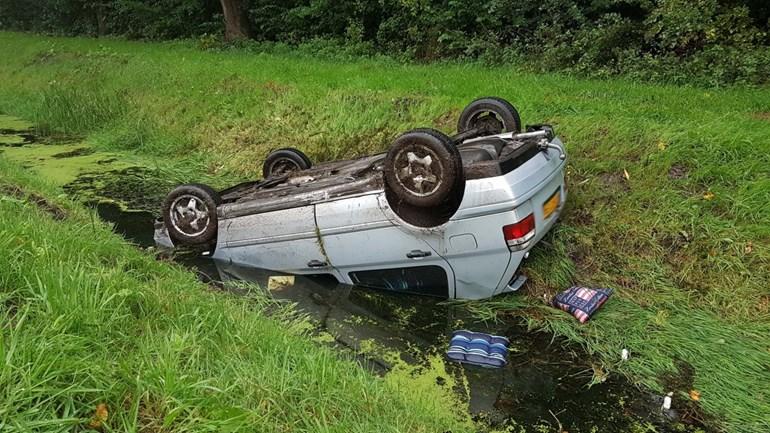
(547, 386)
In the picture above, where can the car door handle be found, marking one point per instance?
(316, 264)
(416, 254)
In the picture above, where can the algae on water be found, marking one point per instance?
(14, 124)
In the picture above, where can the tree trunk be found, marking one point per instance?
(101, 20)
(236, 20)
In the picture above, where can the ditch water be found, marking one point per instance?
(548, 385)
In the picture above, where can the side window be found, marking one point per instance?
(423, 280)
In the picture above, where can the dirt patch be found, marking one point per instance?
(761, 115)
(46, 206)
(763, 306)
(56, 212)
(615, 180)
(234, 84)
(602, 131)
(404, 106)
(446, 120)
(675, 242)
(81, 151)
(47, 57)
(151, 414)
(11, 131)
(581, 217)
(678, 171)
(275, 88)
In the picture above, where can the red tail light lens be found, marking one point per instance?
(519, 234)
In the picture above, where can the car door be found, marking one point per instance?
(370, 250)
(283, 240)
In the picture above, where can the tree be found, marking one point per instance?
(236, 20)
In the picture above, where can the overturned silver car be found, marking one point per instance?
(438, 215)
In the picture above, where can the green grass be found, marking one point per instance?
(86, 319)
(684, 237)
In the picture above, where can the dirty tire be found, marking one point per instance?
(423, 170)
(495, 115)
(190, 214)
(284, 161)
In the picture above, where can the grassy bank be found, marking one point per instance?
(669, 187)
(87, 320)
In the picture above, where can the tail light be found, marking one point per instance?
(518, 235)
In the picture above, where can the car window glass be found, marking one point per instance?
(424, 280)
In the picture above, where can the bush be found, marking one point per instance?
(703, 41)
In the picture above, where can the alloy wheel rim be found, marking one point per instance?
(190, 215)
(418, 170)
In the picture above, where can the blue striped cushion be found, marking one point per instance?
(478, 349)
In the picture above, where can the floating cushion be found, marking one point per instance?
(478, 349)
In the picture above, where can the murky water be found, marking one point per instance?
(544, 387)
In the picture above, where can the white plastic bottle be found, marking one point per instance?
(667, 401)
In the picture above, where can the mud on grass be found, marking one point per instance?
(56, 212)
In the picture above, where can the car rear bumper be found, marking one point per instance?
(542, 227)
(492, 268)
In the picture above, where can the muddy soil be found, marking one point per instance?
(41, 202)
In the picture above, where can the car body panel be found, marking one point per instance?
(504, 193)
(487, 269)
(285, 240)
(358, 236)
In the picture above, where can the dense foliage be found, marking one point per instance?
(712, 41)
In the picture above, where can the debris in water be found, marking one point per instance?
(279, 282)
(477, 348)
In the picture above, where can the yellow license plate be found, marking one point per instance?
(550, 205)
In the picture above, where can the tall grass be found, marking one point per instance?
(669, 193)
(76, 109)
(86, 320)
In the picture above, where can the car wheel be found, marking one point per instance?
(492, 115)
(284, 161)
(190, 214)
(424, 177)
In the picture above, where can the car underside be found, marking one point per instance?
(482, 157)
(451, 216)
